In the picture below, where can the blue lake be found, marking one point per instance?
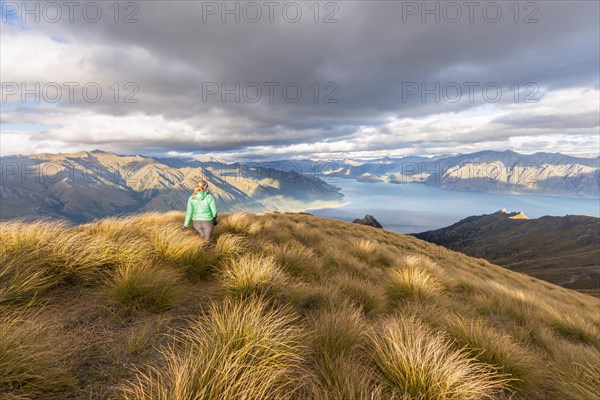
(414, 207)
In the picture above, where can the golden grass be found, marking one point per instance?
(574, 327)
(252, 274)
(526, 369)
(236, 224)
(370, 253)
(185, 251)
(298, 260)
(581, 381)
(144, 287)
(230, 245)
(279, 306)
(337, 332)
(416, 362)
(239, 350)
(22, 277)
(410, 283)
(308, 297)
(31, 365)
(346, 378)
(139, 339)
(361, 293)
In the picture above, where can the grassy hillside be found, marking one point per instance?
(278, 306)
(561, 250)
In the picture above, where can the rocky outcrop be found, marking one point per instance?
(368, 220)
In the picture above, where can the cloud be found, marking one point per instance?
(368, 65)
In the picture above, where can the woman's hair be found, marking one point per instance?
(201, 186)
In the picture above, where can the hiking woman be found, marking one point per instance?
(201, 210)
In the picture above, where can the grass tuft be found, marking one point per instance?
(237, 224)
(239, 350)
(252, 274)
(362, 293)
(144, 287)
(370, 253)
(188, 252)
(418, 363)
(526, 369)
(411, 283)
(229, 245)
(292, 306)
(31, 365)
(298, 260)
(337, 332)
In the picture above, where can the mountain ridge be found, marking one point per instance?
(562, 250)
(484, 171)
(86, 185)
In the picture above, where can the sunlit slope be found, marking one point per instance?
(279, 306)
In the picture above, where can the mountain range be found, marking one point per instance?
(86, 185)
(485, 171)
(561, 250)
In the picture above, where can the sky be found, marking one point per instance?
(243, 80)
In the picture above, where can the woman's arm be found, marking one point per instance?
(212, 203)
(188, 213)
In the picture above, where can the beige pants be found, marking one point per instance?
(204, 228)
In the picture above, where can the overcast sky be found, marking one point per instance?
(298, 79)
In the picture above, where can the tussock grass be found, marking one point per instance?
(298, 260)
(416, 362)
(31, 365)
(22, 277)
(307, 235)
(346, 378)
(363, 294)
(237, 224)
(188, 252)
(574, 328)
(526, 369)
(370, 253)
(291, 306)
(411, 283)
(19, 237)
(144, 287)
(574, 363)
(337, 332)
(229, 245)
(239, 350)
(512, 307)
(252, 274)
(139, 339)
(308, 297)
(581, 381)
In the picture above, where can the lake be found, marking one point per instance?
(414, 207)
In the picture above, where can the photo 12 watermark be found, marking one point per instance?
(452, 12)
(472, 92)
(53, 12)
(68, 92)
(252, 12)
(270, 92)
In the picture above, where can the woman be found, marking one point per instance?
(201, 210)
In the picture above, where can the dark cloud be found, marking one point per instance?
(371, 58)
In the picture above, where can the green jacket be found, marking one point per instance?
(202, 208)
